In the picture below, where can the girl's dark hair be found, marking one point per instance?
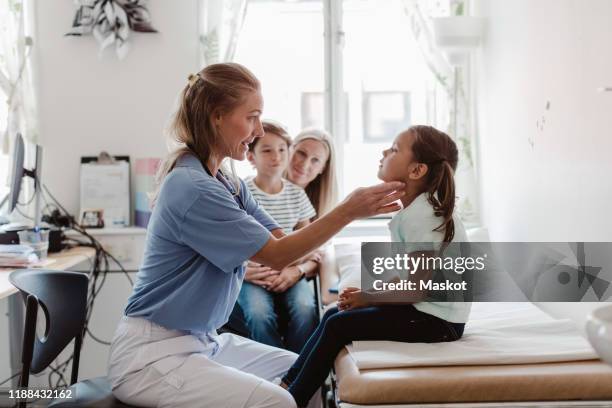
(439, 152)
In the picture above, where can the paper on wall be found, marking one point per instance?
(107, 187)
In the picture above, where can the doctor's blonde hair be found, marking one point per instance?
(216, 89)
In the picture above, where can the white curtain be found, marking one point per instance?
(220, 25)
(16, 73)
(455, 83)
(423, 34)
(464, 131)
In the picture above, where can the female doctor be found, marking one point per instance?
(204, 226)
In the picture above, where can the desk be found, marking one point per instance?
(62, 261)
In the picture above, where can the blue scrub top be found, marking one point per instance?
(198, 238)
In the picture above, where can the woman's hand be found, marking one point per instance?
(259, 274)
(285, 279)
(363, 202)
(368, 201)
(353, 298)
(316, 256)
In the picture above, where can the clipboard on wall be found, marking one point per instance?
(105, 185)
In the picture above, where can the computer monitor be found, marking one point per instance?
(17, 174)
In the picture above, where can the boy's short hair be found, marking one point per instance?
(270, 126)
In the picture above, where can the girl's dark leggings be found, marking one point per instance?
(337, 329)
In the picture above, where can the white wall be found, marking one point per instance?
(89, 104)
(545, 172)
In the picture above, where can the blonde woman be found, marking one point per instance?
(312, 167)
(205, 224)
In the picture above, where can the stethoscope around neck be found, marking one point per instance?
(223, 179)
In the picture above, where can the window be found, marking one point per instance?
(385, 114)
(380, 82)
(313, 109)
(389, 85)
(282, 43)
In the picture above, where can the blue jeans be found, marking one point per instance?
(265, 312)
(337, 329)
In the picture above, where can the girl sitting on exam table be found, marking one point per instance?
(425, 159)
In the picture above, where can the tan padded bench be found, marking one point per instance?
(579, 380)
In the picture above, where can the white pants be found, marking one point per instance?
(152, 366)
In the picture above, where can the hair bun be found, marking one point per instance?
(193, 78)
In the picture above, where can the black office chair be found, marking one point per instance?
(316, 286)
(62, 296)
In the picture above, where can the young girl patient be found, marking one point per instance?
(425, 159)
